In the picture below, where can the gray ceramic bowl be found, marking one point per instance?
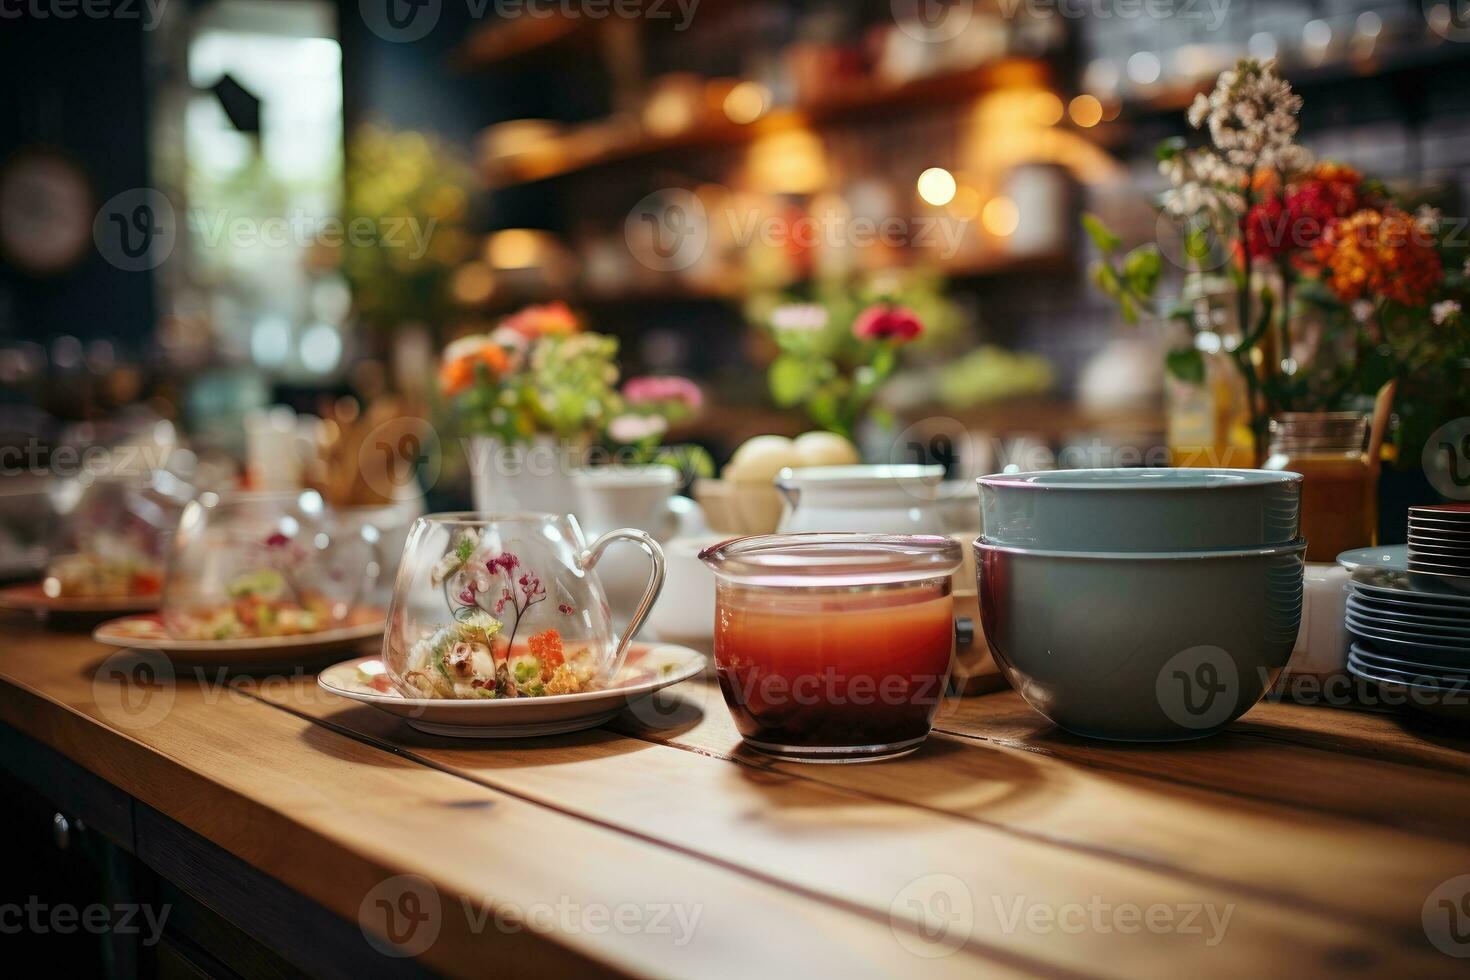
(1141, 647)
(1141, 509)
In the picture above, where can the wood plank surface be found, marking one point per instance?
(333, 818)
(862, 835)
(1304, 840)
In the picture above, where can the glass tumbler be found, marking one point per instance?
(834, 647)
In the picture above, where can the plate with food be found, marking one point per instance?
(89, 583)
(245, 636)
(514, 699)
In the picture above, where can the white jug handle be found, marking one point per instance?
(588, 560)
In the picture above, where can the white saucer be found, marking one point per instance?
(149, 633)
(648, 668)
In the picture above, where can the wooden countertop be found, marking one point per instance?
(1305, 841)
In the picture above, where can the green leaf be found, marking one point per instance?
(791, 380)
(1101, 236)
(1106, 278)
(1142, 268)
(1169, 148)
(1186, 364)
(1197, 243)
(1128, 308)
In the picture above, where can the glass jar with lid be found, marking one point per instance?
(1339, 485)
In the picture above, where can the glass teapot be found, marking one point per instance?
(250, 564)
(507, 605)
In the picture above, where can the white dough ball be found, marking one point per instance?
(825, 449)
(758, 460)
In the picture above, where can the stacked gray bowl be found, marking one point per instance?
(1141, 604)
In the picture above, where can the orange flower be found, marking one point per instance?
(546, 647)
(459, 369)
(549, 319)
(1380, 253)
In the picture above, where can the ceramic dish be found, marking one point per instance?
(1442, 653)
(1141, 647)
(1391, 557)
(1408, 631)
(1446, 513)
(1141, 510)
(1371, 657)
(149, 633)
(1400, 589)
(1430, 693)
(32, 597)
(1442, 540)
(648, 668)
(1402, 612)
(902, 499)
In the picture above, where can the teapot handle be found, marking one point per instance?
(589, 558)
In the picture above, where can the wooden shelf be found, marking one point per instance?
(490, 46)
(674, 290)
(857, 102)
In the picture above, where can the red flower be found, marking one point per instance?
(1328, 193)
(883, 322)
(277, 540)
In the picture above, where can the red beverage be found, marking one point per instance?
(822, 656)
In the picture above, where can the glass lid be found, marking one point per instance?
(822, 560)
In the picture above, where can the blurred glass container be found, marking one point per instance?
(899, 499)
(112, 534)
(1339, 487)
(834, 647)
(25, 525)
(507, 606)
(265, 563)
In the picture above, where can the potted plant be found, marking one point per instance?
(531, 395)
(1326, 287)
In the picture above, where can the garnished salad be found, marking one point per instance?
(474, 654)
(94, 576)
(261, 604)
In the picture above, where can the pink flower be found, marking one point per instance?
(883, 322)
(503, 562)
(663, 388)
